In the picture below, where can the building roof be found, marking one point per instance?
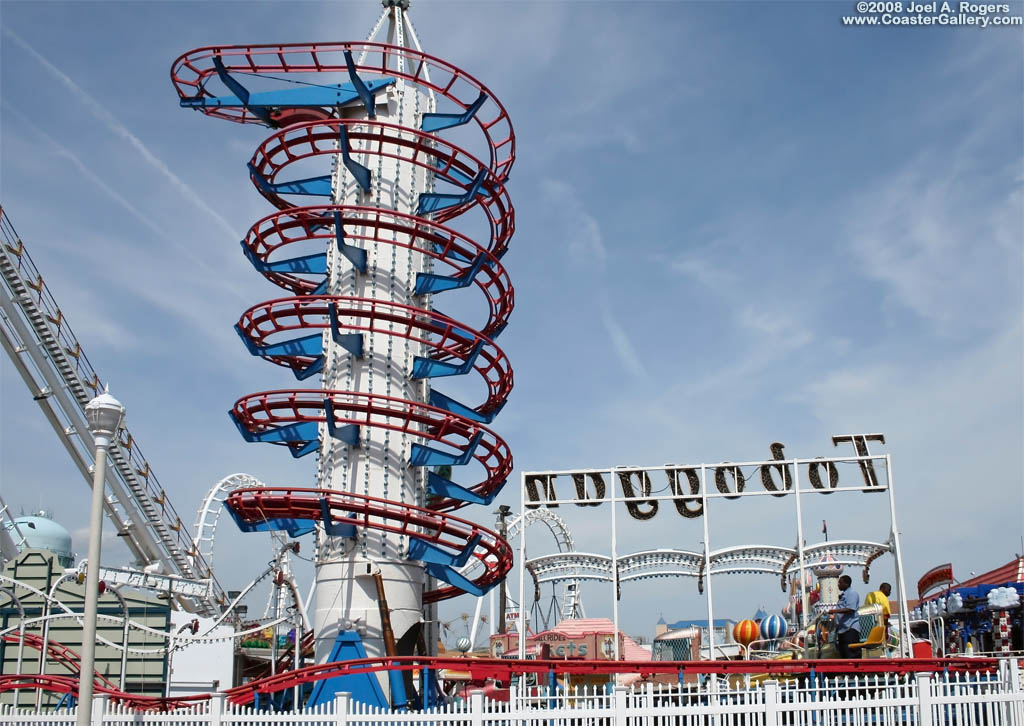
(631, 650)
(1012, 571)
(584, 626)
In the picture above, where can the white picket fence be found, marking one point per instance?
(920, 700)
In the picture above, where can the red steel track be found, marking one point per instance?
(192, 71)
(60, 653)
(261, 412)
(270, 238)
(271, 322)
(501, 669)
(258, 505)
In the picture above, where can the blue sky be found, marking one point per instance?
(737, 223)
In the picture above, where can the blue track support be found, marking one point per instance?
(306, 264)
(329, 96)
(423, 367)
(453, 578)
(352, 342)
(355, 255)
(301, 437)
(437, 202)
(427, 282)
(361, 89)
(294, 527)
(359, 172)
(439, 400)
(66, 701)
(239, 90)
(425, 456)
(364, 687)
(399, 700)
(335, 529)
(437, 121)
(307, 345)
(314, 186)
(348, 434)
(424, 551)
(442, 487)
(464, 332)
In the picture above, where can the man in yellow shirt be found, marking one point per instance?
(881, 597)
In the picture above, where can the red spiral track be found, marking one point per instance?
(287, 248)
(272, 237)
(258, 505)
(192, 72)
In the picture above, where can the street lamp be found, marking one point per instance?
(503, 511)
(103, 415)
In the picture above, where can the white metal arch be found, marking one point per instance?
(749, 559)
(563, 540)
(211, 508)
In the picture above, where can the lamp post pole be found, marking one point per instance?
(503, 512)
(104, 415)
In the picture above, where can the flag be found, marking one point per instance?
(824, 527)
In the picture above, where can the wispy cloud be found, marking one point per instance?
(586, 250)
(580, 230)
(105, 117)
(621, 344)
(141, 216)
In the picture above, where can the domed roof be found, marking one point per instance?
(827, 567)
(42, 533)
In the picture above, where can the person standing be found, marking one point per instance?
(881, 597)
(847, 621)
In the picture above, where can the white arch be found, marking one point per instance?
(563, 540)
(211, 508)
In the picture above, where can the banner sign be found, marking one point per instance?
(591, 488)
(935, 577)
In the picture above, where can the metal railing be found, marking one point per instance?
(48, 355)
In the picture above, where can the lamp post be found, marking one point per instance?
(104, 415)
(503, 512)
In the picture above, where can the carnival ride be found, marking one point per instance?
(358, 123)
(361, 271)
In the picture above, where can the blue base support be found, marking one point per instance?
(364, 687)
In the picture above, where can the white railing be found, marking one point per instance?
(916, 700)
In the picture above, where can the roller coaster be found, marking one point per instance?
(363, 125)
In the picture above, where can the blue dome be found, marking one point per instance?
(42, 533)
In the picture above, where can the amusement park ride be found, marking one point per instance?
(365, 128)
